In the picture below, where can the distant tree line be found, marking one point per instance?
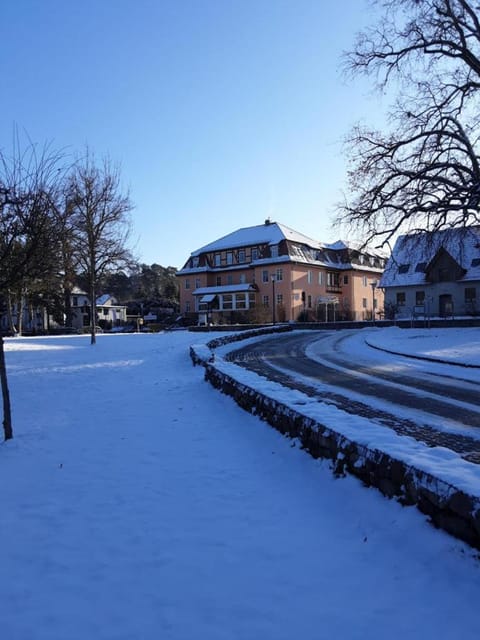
(144, 288)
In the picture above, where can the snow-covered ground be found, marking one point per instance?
(138, 503)
(460, 346)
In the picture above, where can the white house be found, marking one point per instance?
(434, 274)
(109, 312)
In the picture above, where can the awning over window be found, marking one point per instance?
(228, 288)
(208, 298)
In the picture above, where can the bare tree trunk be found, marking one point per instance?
(7, 413)
(68, 307)
(93, 313)
(11, 324)
(20, 313)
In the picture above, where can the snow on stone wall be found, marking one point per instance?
(447, 506)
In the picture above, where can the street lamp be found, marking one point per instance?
(274, 277)
(373, 284)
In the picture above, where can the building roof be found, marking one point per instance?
(412, 254)
(270, 233)
(339, 255)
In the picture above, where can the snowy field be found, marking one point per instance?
(140, 504)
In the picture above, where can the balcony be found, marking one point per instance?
(333, 288)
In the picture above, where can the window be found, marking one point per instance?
(364, 303)
(227, 301)
(419, 298)
(274, 251)
(372, 261)
(218, 260)
(243, 278)
(279, 299)
(75, 301)
(230, 279)
(403, 268)
(251, 300)
(345, 279)
(187, 284)
(320, 277)
(309, 303)
(218, 281)
(264, 275)
(187, 306)
(401, 299)
(241, 255)
(333, 279)
(421, 266)
(254, 254)
(241, 301)
(279, 275)
(195, 262)
(265, 301)
(309, 276)
(470, 294)
(198, 284)
(105, 311)
(364, 281)
(229, 257)
(476, 262)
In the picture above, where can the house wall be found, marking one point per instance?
(433, 293)
(353, 289)
(362, 296)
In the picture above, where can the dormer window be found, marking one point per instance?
(241, 255)
(254, 254)
(421, 266)
(195, 262)
(403, 268)
(217, 260)
(475, 262)
(274, 251)
(229, 257)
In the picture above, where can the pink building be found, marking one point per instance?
(271, 273)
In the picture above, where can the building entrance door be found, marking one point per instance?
(445, 305)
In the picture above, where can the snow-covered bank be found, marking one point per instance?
(138, 502)
(455, 346)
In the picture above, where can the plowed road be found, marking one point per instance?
(436, 404)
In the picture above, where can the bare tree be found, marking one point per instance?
(101, 223)
(28, 180)
(425, 173)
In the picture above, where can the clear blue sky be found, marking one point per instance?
(220, 112)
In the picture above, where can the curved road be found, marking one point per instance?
(382, 387)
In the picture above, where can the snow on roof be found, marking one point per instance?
(269, 233)
(339, 245)
(413, 252)
(228, 288)
(103, 299)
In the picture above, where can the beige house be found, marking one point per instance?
(434, 275)
(271, 273)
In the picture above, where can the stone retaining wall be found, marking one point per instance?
(447, 506)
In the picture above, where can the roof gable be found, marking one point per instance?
(414, 256)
